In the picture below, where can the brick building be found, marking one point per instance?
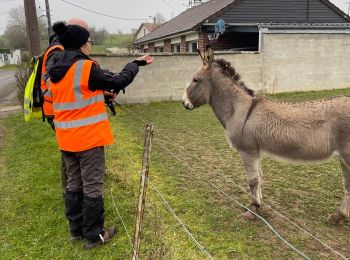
(238, 25)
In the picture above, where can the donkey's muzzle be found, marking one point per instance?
(186, 102)
(187, 105)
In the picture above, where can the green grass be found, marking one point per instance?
(9, 67)
(31, 204)
(114, 40)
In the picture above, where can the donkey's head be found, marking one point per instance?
(198, 92)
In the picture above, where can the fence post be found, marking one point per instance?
(143, 188)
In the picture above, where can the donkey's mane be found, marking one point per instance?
(230, 72)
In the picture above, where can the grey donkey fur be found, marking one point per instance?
(305, 132)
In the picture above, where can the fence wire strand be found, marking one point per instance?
(244, 190)
(269, 207)
(227, 195)
(240, 204)
(121, 218)
(166, 204)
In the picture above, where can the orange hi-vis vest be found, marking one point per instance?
(45, 83)
(81, 121)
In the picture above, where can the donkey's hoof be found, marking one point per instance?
(248, 215)
(335, 218)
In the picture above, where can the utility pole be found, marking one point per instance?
(32, 27)
(48, 15)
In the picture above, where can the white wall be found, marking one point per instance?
(6, 59)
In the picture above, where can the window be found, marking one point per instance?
(175, 48)
(145, 50)
(235, 38)
(193, 46)
(159, 49)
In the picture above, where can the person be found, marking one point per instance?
(54, 48)
(82, 128)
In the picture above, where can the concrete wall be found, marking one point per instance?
(294, 62)
(287, 62)
(168, 76)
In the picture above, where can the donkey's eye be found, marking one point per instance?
(195, 80)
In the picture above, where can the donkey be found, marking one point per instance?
(304, 132)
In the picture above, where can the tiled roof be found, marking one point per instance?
(151, 26)
(187, 20)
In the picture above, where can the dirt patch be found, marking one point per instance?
(2, 136)
(9, 110)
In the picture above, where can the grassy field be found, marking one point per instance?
(9, 67)
(190, 155)
(114, 40)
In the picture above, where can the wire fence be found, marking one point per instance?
(182, 225)
(167, 206)
(164, 146)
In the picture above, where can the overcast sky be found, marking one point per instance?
(140, 10)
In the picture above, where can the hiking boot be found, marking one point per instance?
(108, 235)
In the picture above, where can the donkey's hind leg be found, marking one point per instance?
(344, 209)
(253, 170)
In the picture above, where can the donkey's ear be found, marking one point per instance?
(208, 56)
(201, 54)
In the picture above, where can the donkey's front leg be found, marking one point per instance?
(252, 165)
(343, 212)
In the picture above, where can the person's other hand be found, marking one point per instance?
(110, 96)
(147, 58)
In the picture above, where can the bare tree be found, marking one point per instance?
(159, 18)
(2, 42)
(98, 35)
(15, 35)
(17, 17)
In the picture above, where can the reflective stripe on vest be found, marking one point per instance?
(81, 122)
(28, 110)
(47, 92)
(45, 82)
(79, 103)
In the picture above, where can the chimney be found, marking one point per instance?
(193, 3)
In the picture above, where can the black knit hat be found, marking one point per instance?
(71, 36)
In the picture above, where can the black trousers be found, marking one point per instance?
(83, 198)
(64, 177)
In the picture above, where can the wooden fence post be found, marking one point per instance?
(143, 188)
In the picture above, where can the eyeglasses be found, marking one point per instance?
(91, 42)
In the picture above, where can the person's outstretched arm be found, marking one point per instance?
(106, 80)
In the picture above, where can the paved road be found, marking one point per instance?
(7, 87)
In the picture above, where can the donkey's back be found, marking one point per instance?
(302, 131)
